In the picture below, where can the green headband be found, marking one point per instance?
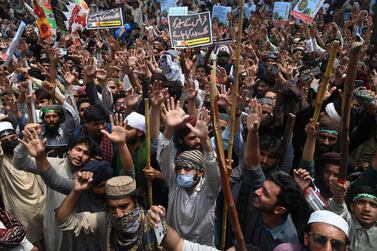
(329, 131)
(365, 196)
(56, 109)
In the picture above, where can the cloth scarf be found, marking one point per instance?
(106, 146)
(14, 232)
(130, 232)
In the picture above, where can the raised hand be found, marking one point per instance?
(190, 91)
(68, 76)
(119, 132)
(101, 74)
(155, 215)
(156, 94)
(89, 72)
(151, 173)
(311, 129)
(255, 116)
(132, 98)
(302, 178)
(53, 54)
(35, 146)
(174, 114)
(83, 181)
(201, 126)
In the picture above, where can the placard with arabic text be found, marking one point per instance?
(190, 30)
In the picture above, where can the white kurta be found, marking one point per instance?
(24, 196)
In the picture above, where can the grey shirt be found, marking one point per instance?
(191, 215)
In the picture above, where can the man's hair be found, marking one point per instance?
(119, 94)
(94, 113)
(42, 94)
(272, 145)
(290, 192)
(363, 189)
(81, 101)
(93, 147)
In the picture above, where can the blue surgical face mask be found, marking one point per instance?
(185, 181)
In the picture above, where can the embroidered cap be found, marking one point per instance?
(328, 217)
(120, 187)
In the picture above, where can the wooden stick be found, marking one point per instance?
(346, 109)
(33, 117)
(325, 81)
(288, 129)
(236, 83)
(148, 148)
(232, 118)
(221, 160)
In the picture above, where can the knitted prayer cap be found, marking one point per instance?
(192, 159)
(120, 187)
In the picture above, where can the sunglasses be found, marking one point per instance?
(321, 241)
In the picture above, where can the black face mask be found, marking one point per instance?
(8, 147)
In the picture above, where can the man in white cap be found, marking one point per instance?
(325, 231)
(135, 127)
(121, 227)
(21, 191)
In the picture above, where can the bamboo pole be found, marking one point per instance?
(221, 160)
(325, 81)
(346, 109)
(233, 118)
(148, 148)
(31, 104)
(288, 129)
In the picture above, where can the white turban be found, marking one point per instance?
(136, 120)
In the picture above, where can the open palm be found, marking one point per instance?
(174, 114)
(119, 132)
(201, 126)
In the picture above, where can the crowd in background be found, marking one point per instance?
(74, 169)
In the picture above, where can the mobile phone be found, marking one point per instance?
(160, 233)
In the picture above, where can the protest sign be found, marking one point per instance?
(105, 19)
(190, 30)
(178, 11)
(7, 56)
(248, 9)
(221, 13)
(166, 4)
(306, 10)
(281, 12)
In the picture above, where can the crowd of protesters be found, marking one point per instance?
(74, 172)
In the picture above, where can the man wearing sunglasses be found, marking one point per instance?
(326, 231)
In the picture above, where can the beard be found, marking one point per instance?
(194, 147)
(52, 128)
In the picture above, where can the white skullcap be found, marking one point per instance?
(328, 217)
(6, 126)
(136, 120)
